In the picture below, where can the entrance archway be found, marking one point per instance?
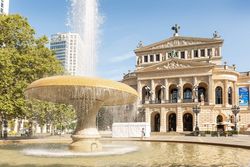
(187, 122)
(219, 120)
(155, 122)
(172, 122)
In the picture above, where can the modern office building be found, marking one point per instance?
(66, 46)
(4, 8)
(179, 76)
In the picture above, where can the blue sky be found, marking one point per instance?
(126, 22)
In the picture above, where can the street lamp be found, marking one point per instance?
(235, 110)
(196, 110)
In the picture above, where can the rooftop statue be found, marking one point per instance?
(216, 34)
(176, 29)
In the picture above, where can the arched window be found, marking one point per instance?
(230, 95)
(201, 94)
(174, 95)
(218, 95)
(187, 95)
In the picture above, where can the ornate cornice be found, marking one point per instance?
(175, 64)
(175, 42)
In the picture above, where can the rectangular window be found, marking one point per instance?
(157, 57)
(151, 58)
(203, 53)
(195, 53)
(183, 55)
(146, 59)
(209, 52)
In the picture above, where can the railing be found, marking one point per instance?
(187, 100)
(157, 101)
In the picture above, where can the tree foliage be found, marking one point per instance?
(23, 59)
(50, 113)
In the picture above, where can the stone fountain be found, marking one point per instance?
(87, 95)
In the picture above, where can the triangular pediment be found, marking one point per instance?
(178, 42)
(174, 64)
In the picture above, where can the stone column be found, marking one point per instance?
(153, 90)
(179, 120)
(225, 93)
(213, 52)
(166, 90)
(205, 52)
(192, 54)
(139, 90)
(211, 90)
(219, 53)
(163, 120)
(180, 91)
(199, 53)
(195, 84)
(234, 92)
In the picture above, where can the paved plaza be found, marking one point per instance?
(241, 141)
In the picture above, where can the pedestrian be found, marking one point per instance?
(142, 134)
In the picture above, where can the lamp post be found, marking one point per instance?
(196, 110)
(235, 110)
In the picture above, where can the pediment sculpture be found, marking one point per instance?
(172, 65)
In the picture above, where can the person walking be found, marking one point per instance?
(142, 134)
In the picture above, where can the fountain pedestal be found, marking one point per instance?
(86, 142)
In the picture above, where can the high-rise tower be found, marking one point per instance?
(4, 7)
(66, 46)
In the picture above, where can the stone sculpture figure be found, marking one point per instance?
(176, 29)
(195, 92)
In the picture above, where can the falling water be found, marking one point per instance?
(85, 20)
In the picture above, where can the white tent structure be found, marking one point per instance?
(130, 129)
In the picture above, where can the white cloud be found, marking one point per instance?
(122, 58)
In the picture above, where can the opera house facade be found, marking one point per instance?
(183, 83)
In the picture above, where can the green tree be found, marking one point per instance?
(23, 59)
(57, 115)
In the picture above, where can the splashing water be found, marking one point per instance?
(85, 20)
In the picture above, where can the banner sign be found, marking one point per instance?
(243, 96)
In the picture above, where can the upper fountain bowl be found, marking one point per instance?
(65, 89)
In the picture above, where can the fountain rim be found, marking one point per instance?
(67, 80)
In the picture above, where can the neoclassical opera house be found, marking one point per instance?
(178, 74)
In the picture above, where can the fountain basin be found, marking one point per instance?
(87, 95)
(144, 154)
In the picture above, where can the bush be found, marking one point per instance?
(235, 132)
(12, 133)
(207, 132)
